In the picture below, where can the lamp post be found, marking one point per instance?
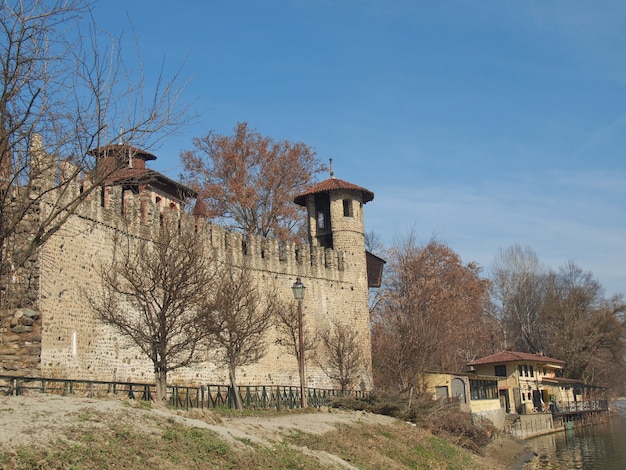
(298, 294)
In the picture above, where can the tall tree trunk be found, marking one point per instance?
(233, 387)
(160, 378)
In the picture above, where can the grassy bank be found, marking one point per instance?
(138, 437)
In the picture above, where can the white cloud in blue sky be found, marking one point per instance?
(482, 122)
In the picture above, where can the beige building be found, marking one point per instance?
(473, 394)
(58, 335)
(527, 382)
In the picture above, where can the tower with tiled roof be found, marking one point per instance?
(335, 215)
(335, 220)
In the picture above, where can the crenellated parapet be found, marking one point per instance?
(140, 214)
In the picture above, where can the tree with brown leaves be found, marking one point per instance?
(430, 301)
(153, 293)
(248, 181)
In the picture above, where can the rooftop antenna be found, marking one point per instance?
(332, 174)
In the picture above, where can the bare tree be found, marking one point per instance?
(517, 296)
(342, 357)
(583, 328)
(237, 318)
(248, 181)
(153, 293)
(373, 243)
(65, 88)
(288, 328)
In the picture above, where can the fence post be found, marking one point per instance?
(278, 398)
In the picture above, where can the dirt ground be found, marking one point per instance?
(28, 420)
(24, 418)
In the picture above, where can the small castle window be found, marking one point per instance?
(321, 219)
(347, 208)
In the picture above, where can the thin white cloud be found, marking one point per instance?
(562, 216)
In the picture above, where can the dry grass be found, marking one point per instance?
(397, 446)
(95, 435)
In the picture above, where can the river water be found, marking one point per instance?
(600, 446)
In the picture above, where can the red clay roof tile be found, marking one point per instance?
(333, 184)
(512, 356)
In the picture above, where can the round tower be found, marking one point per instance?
(335, 219)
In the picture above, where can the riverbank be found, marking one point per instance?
(597, 444)
(92, 433)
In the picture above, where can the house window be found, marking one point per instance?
(500, 371)
(525, 371)
(483, 389)
(441, 393)
(532, 372)
(520, 370)
(347, 208)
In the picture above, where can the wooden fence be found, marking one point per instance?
(205, 396)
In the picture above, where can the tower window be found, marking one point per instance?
(347, 208)
(321, 220)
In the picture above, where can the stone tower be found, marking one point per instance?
(335, 219)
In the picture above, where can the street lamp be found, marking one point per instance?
(298, 294)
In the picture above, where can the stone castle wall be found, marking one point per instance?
(75, 344)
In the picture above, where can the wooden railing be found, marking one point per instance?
(205, 396)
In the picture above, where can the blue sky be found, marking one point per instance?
(482, 123)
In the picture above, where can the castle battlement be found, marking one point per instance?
(140, 214)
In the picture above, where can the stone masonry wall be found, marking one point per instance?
(74, 344)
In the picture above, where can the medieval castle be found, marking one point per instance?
(59, 335)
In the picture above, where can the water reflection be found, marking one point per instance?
(601, 446)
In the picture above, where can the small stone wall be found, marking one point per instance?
(20, 342)
(531, 425)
